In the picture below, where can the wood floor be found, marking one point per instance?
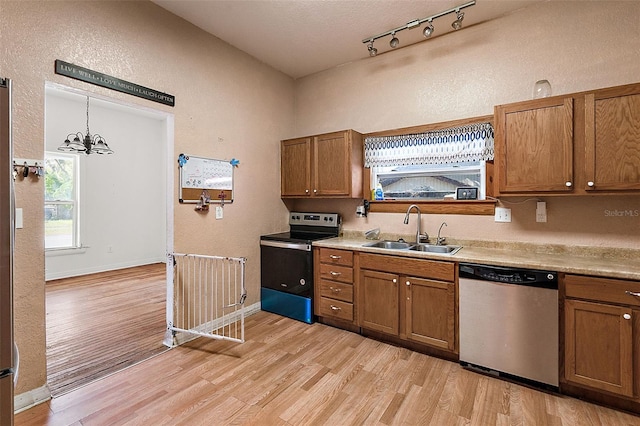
(291, 373)
(101, 323)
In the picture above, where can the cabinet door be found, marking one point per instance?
(599, 346)
(430, 312)
(332, 164)
(534, 146)
(612, 133)
(379, 301)
(295, 178)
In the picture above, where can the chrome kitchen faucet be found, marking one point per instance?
(419, 236)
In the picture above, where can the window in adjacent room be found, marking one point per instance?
(61, 201)
(430, 166)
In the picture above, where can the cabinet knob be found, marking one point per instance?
(568, 184)
(408, 282)
(394, 280)
(627, 316)
(306, 191)
(590, 184)
(315, 190)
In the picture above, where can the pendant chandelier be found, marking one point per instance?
(85, 143)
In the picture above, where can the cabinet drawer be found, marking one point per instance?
(336, 273)
(423, 268)
(602, 289)
(336, 309)
(335, 290)
(336, 257)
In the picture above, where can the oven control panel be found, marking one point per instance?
(314, 219)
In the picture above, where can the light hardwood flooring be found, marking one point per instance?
(101, 323)
(292, 373)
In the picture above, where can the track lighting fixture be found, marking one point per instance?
(394, 41)
(372, 50)
(427, 32)
(457, 24)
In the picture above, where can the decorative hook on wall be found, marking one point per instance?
(203, 203)
(25, 167)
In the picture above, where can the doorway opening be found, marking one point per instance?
(107, 246)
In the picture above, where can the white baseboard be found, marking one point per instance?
(26, 400)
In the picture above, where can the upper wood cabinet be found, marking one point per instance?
(534, 146)
(612, 139)
(581, 143)
(327, 165)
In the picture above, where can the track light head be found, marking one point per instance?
(428, 30)
(372, 50)
(394, 41)
(457, 24)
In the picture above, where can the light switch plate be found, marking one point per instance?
(219, 212)
(18, 219)
(502, 214)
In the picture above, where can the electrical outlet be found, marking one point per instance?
(219, 212)
(502, 214)
(541, 211)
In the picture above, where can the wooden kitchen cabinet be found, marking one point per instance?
(413, 299)
(612, 135)
(575, 144)
(602, 334)
(430, 312)
(534, 146)
(328, 165)
(334, 292)
(379, 301)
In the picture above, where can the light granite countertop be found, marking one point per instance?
(602, 262)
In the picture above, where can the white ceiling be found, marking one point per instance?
(302, 37)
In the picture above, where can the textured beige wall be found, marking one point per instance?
(575, 45)
(228, 105)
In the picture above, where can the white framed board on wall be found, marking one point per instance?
(200, 175)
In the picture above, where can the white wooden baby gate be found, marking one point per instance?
(205, 297)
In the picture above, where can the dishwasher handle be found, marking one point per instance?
(507, 275)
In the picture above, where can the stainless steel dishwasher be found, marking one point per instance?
(509, 322)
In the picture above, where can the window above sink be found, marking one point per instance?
(425, 165)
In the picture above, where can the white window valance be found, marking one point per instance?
(473, 142)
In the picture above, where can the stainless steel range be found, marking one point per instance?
(286, 264)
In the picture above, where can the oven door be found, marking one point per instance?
(287, 267)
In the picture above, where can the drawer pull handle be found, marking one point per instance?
(335, 290)
(632, 293)
(335, 308)
(333, 256)
(335, 274)
(627, 316)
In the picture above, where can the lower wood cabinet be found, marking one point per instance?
(430, 310)
(379, 301)
(602, 334)
(414, 299)
(333, 284)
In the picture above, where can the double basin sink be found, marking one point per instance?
(400, 245)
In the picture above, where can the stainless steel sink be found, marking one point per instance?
(394, 245)
(432, 248)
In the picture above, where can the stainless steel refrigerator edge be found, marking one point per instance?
(6, 256)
